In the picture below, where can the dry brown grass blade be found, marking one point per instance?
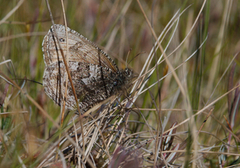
(13, 113)
(65, 94)
(209, 114)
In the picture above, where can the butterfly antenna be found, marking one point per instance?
(127, 57)
(135, 57)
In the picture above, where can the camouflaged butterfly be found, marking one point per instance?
(95, 76)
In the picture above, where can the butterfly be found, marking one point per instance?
(94, 74)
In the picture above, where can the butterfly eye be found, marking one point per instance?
(61, 40)
(128, 72)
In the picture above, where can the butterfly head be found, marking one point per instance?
(123, 79)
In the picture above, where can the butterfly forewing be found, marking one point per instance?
(80, 48)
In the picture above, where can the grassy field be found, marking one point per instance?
(183, 107)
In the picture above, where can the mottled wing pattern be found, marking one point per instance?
(80, 48)
(95, 76)
(86, 80)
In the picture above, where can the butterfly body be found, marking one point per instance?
(94, 74)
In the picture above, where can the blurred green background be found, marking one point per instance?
(119, 27)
